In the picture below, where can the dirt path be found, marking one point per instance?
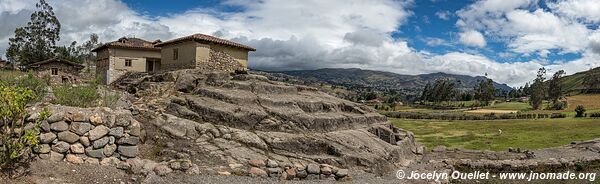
(488, 111)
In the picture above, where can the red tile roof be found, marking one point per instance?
(39, 63)
(206, 38)
(130, 43)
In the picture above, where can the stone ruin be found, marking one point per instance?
(251, 125)
(88, 135)
(242, 117)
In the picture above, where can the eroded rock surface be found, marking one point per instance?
(242, 117)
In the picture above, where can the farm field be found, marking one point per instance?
(516, 133)
(484, 135)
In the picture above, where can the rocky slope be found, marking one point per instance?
(242, 117)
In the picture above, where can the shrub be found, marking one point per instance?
(595, 115)
(17, 138)
(558, 115)
(560, 105)
(580, 110)
(77, 96)
(30, 81)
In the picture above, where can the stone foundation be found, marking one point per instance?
(88, 135)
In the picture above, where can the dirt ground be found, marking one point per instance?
(487, 111)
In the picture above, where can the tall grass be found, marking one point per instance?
(77, 96)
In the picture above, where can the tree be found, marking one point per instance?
(16, 137)
(36, 41)
(538, 89)
(580, 110)
(555, 86)
(485, 90)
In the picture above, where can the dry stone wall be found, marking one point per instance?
(88, 135)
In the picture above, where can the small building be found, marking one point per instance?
(126, 54)
(198, 51)
(59, 71)
(202, 51)
(3, 63)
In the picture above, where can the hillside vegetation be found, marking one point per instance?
(358, 78)
(574, 84)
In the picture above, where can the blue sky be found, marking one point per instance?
(425, 25)
(507, 39)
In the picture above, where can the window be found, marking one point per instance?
(175, 54)
(54, 71)
(128, 62)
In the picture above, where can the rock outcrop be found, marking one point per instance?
(248, 117)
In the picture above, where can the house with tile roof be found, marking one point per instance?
(58, 71)
(115, 58)
(198, 51)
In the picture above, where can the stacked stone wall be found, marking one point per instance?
(89, 136)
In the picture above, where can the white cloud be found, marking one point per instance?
(435, 42)
(310, 34)
(588, 10)
(524, 26)
(472, 38)
(444, 15)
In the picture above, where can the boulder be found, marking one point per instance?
(290, 173)
(257, 163)
(45, 126)
(116, 131)
(326, 170)
(77, 148)
(341, 173)
(162, 170)
(110, 149)
(85, 141)
(301, 174)
(93, 161)
(55, 156)
(42, 149)
(98, 132)
(272, 163)
(112, 161)
(67, 136)
(96, 119)
(80, 128)
(100, 142)
(56, 117)
(94, 153)
(75, 117)
(59, 126)
(129, 140)
(46, 138)
(128, 151)
(74, 159)
(257, 172)
(313, 169)
(61, 147)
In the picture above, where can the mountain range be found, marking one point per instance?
(353, 78)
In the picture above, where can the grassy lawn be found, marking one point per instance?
(483, 135)
(510, 106)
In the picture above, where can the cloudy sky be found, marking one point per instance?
(507, 39)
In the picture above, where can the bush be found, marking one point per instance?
(17, 138)
(558, 115)
(77, 96)
(580, 110)
(595, 115)
(30, 81)
(560, 105)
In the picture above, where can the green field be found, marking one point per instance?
(484, 135)
(519, 106)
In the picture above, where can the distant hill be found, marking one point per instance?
(354, 78)
(573, 84)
